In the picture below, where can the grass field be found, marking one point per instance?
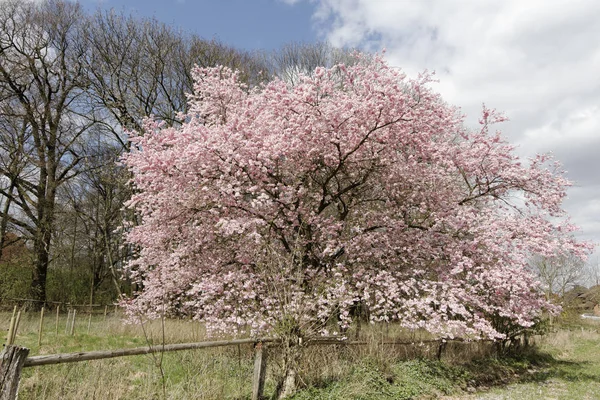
(211, 373)
(570, 369)
(565, 365)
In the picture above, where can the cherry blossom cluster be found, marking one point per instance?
(285, 207)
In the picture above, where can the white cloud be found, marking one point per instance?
(537, 60)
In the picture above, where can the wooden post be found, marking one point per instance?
(105, 311)
(41, 327)
(11, 327)
(89, 323)
(441, 348)
(67, 323)
(11, 339)
(260, 368)
(12, 359)
(57, 315)
(73, 322)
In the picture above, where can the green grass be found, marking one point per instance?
(404, 380)
(571, 370)
(565, 365)
(217, 373)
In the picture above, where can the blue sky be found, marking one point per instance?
(535, 60)
(246, 24)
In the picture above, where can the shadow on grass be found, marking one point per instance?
(532, 366)
(565, 370)
(426, 378)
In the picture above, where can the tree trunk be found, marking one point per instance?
(45, 213)
(111, 265)
(40, 270)
(288, 386)
(4, 222)
(292, 354)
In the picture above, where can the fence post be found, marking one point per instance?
(72, 332)
(40, 330)
(260, 368)
(13, 333)
(57, 315)
(68, 320)
(12, 359)
(11, 327)
(441, 348)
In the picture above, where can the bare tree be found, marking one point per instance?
(98, 205)
(295, 58)
(558, 273)
(137, 68)
(43, 92)
(592, 270)
(65, 78)
(142, 67)
(87, 248)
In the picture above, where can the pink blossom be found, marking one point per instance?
(356, 186)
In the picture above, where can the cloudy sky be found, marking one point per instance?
(536, 60)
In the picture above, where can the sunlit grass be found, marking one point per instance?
(566, 365)
(570, 368)
(204, 374)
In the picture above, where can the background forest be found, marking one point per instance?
(71, 84)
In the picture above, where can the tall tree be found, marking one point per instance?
(42, 86)
(98, 204)
(293, 60)
(277, 209)
(142, 67)
(559, 272)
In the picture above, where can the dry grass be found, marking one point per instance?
(568, 367)
(332, 372)
(203, 374)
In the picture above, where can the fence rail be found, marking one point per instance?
(102, 354)
(14, 358)
(65, 304)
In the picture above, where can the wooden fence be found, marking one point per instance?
(69, 328)
(14, 358)
(22, 302)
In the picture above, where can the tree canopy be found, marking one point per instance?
(283, 207)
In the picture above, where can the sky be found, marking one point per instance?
(538, 61)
